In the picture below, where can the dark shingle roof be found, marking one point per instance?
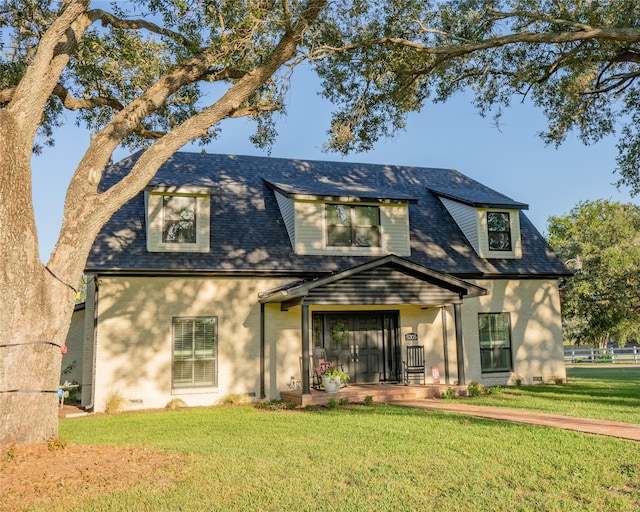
(248, 233)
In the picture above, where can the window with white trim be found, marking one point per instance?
(495, 342)
(195, 352)
(353, 225)
(178, 221)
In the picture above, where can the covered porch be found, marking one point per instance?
(364, 304)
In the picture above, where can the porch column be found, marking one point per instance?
(457, 315)
(445, 343)
(306, 388)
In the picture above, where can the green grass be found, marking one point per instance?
(611, 393)
(386, 458)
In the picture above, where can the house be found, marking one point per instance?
(226, 272)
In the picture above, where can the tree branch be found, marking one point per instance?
(109, 19)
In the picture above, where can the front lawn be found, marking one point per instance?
(610, 393)
(357, 458)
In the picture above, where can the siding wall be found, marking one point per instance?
(287, 210)
(466, 218)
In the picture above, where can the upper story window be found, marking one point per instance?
(353, 226)
(499, 231)
(178, 221)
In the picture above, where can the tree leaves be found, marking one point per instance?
(602, 300)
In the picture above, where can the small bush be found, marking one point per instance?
(474, 389)
(495, 390)
(57, 443)
(176, 403)
(274, 405)
(450, 393)
(368, 400)
(344, 401)
(114, 403)
(332, 403)
(235, 399)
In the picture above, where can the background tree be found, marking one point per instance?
(602, 301)
(138, 78)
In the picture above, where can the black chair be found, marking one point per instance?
(414, 364)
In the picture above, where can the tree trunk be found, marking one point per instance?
(36, 307)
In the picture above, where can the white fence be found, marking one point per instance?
(629, 355)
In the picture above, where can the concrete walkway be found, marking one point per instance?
(602, 427)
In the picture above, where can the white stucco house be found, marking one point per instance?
(226, 272)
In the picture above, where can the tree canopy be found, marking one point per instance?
(575, 60)
(602, 301)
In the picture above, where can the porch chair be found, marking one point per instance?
(414, 364)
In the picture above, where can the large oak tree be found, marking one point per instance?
(169, 71)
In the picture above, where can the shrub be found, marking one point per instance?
(332, 403)
(114, 402)
(235, 399)
(474, 389)
(176, 403)
(57, 443)
(368, 400)
(450, 393)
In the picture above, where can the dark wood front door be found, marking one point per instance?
(369, 352)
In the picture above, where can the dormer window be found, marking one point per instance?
(353, 226)
(499, 231)
(178, 220)
(492, 231)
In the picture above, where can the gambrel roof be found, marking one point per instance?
(248, 234)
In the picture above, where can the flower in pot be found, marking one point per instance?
(332, 378)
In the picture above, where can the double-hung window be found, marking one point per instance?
(353, 225)
(499, 231)
(195, 352)
(495, 342)
(179, 219)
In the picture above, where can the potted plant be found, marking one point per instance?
(332, 378)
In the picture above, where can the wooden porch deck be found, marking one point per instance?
(381, 393)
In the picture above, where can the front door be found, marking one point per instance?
(365, 343)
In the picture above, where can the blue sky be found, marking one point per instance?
(511, 160)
